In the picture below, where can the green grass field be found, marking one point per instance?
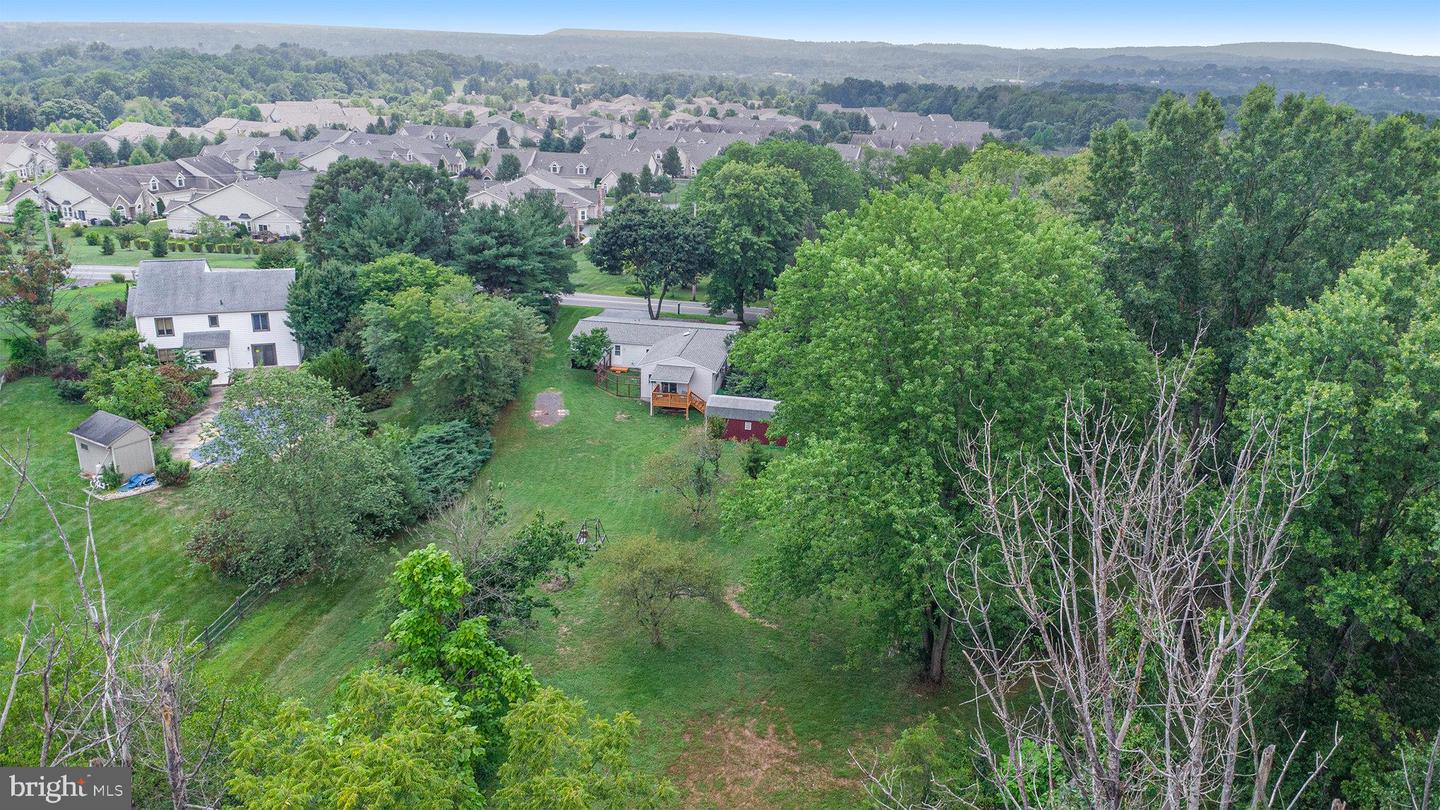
(736, 711)
(589, 279)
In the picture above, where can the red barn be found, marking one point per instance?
(745, 418)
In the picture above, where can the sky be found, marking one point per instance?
(1402, 26)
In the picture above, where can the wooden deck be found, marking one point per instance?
(681, 402)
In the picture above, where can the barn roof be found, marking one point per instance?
(103, 428)
(752, 409)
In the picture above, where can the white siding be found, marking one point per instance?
(702, 384)
(242, 338)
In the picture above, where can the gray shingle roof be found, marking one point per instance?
(672, 374)
(641, 331)
(104, 427)
(189, 287)
(214, 339)
(753, 409)
(703, 347)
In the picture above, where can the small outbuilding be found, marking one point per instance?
(745, 418)
(105, 439)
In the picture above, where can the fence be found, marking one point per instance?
(624, 384)
(237, 611)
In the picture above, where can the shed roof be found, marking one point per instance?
(214, 339)
(672, 374)
(752, 409)
(104, 427)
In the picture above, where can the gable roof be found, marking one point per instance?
(104, 427)
(704, 347)
(190, 286)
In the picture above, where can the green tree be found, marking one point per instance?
(1361, 365)
(30, 301)
(300, 491)
(509, 168)
(670, 162)
(392, 743)
(378, 281)
(435, 644)
(557, 758)
(691, 472)
(466, 352)
(627, 186)
(833, 185)
(1203, 230)
(897, 331)
(360, 210)
(646, 578)
(587, 349)
(322, 301)
(518, 251)
(661, 247)
(757, 215)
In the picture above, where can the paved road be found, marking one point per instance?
(94, 273)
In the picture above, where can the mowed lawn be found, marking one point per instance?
(81, 253)
(736, 712)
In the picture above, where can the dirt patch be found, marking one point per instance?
(621, 416)
(549, 408)
(728, 762)
(732, 598)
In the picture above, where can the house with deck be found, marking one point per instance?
(229, 319)
(680, 364)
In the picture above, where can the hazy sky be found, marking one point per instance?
(1406, 26)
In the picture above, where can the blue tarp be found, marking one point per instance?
(137, 481)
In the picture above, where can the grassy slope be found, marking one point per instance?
(738, 713)
(734, 710)
(588, 279)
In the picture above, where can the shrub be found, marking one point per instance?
(142, 244)
(170, 471)
(588, 348)
(445, 459)
(108, 314)
(76, 229)
(70, 390)
(27, 356)
(92, 238)
(160, 248)
(342, 370)
(107, 246)
(636, 290)
(375, 399)
(715, 427)
(284, 253)
(111, 477)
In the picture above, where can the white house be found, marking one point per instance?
(230, 319)
(261, 205)
(679, 361)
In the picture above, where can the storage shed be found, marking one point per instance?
(745, 418)
(106, 439)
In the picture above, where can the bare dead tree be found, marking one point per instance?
(1420, 788)
(1138, 581)
(108, 692)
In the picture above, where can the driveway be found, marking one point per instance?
(185, 436)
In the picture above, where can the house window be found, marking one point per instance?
(264, 228)
(260, 322)
(154, 184)
(207, 355)
(554, 168)
(749, 426)
(84, 447)
(617, 350)
(65, 211)
(669, 388)
(165, 355)
(179, 181)
(581, 169)
(263, 354)
(212, 320)
(164, 327)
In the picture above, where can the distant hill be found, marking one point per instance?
(1372, 80)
